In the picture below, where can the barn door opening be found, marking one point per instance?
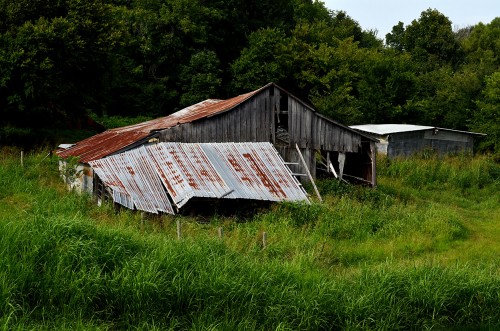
(282, 137)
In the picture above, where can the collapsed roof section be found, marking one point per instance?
(148, 178)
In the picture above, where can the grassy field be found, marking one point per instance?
(419, 252)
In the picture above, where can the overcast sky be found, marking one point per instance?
(382, 15)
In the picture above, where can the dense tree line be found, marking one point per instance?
(61, 60)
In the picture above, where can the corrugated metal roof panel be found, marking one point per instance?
(186, 172)
(211, 170)
(255, 171)
(383, 129)
(153, 193)
(120, 195)
(136, 179)
(236, 172)
(102, 144)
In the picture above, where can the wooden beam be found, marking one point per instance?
(308, 172)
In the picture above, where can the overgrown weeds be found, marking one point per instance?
(401, 256)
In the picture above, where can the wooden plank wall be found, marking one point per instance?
(250, 121)
(309, 130)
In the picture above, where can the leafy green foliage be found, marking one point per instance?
(63, 60)
(487, 117)
(430, 39)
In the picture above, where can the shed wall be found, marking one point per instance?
(442, 142)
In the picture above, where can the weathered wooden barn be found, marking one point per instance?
(269, 114)
(401, 140)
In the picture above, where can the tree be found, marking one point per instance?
(53, 65)
(430, 39)
(262, 61)
(201, 78)
(486, 119)
(386, 82)
(482, 47)
(395, 39)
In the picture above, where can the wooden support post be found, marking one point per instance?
(22, 157)
(330, 165)
(328, 162)
(220, 232)
(178, 229)
(264, 240)
(373, 152)
(308, 172)
(341, 160)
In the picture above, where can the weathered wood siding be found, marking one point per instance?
(311, 130)
(250, 121)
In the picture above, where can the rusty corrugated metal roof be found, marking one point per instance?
(187, 172)
(224, 170)
(113, 140)
(210, 170)
(131, 177)
(254, 171)
(112, 180)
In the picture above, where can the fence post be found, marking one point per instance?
(22, 156)
(178, 229)
(264, 240)
(220, 232)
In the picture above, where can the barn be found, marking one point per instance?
(305, 139)
(401, 140)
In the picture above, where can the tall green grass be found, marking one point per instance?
(462, 171)
(365, 259)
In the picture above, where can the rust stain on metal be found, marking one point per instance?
(164, 179)
(238, 168)
(132, 178)
(268, 182)
(184, 170)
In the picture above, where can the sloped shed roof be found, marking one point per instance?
(142, 177)
(384, 129)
